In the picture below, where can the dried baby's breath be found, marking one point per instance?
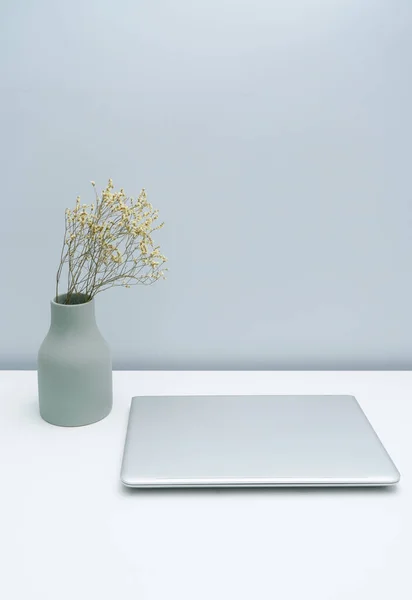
(109, 243)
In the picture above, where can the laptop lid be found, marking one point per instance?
(213, 441)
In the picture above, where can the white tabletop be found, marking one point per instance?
(69, 530)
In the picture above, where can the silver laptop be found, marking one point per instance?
(249, 441)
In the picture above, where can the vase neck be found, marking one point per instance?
(73, 317)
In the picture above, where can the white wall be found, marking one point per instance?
(274, 135)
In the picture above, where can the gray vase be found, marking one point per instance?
(74, 366)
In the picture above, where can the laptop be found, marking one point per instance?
(252, 441)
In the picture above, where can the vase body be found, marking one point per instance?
(74, 367)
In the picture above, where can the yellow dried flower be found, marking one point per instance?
(116, 257)
(115, 231)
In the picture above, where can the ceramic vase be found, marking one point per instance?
(74, 366)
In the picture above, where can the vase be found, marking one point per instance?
(74, 366)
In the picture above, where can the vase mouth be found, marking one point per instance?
(76, 300)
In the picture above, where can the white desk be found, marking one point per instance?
(69, 531)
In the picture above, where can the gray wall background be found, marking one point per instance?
(275, 138)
